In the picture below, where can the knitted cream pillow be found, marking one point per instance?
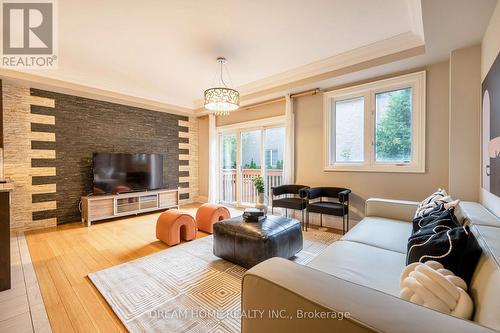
(431, 285)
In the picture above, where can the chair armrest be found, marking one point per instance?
(312, 193)
(344, 195)
(391, 209)
(286, 290)
(303, 192)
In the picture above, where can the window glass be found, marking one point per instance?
(393, 136)
(349, 130)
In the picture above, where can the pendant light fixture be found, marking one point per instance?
(221, 99)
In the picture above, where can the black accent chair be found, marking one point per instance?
(290, 201)
(339, 208)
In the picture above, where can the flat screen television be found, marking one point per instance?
(120, 173)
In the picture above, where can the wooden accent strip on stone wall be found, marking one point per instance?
(184, 145)
(186, 179)
(46, 188)
(42, 119)
(43, 171)
(43, 136)
(41, 101)
(43, 153)
(41, 206)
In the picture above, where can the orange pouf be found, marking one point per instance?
(172, 225)
(208, 214)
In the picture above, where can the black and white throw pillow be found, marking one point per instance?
(431, 202)
(439, 216)
(444, 240)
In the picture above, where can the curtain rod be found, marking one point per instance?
(282, 98)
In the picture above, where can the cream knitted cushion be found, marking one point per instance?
(431, 285)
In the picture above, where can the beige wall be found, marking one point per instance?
(203, 158)
(242, 115)
(490, 48)
(464, 126)
(309, 150)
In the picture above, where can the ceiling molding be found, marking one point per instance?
(377, 50)
(65, 87)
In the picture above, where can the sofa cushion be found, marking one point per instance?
(380, 232)
(327, 207)
(363, 264)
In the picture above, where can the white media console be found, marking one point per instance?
(102, 207)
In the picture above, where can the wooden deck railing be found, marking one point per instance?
(274, 177)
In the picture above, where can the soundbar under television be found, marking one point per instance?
(121, 173)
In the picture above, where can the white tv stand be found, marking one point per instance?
(102, 207)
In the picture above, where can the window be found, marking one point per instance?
(378, 126)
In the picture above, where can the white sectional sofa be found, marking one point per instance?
(360, 275)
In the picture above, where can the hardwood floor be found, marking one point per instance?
(63, 256)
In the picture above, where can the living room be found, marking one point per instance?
(232, 166)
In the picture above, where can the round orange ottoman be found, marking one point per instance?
(208, 214)
(172, 225)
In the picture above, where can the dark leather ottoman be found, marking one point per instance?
(249, 243)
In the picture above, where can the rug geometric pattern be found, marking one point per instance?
(185, 288)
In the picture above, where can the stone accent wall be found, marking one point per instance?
(50, 139)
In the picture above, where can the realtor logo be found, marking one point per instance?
(28, 36)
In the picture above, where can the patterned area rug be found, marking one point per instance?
(185, 288)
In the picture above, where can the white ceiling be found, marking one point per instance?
(164, 51)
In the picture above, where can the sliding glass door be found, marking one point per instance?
(245, 154)
(274, 144)
(251, 165)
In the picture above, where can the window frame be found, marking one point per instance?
(368, 91)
